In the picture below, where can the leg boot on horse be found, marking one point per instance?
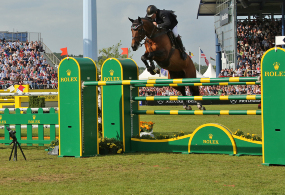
(150, 68)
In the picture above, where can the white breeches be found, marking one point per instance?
(175, 31)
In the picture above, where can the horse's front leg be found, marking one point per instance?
(150, 58)
(144, 59)
(149, 68)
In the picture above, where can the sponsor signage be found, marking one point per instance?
(224, 17)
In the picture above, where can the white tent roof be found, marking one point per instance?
(146, 75)
(210, 72)
(199, 75)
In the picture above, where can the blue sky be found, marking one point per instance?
(60, 23)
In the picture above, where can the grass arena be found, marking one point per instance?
(154, 161)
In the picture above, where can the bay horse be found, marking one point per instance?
(160, 48)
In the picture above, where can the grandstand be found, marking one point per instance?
(25, 59)
(244, 29)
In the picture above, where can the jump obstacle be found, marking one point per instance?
(15, 99)
(29, 121)
(34, 120)
(120, 111)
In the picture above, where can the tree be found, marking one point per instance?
(141, 69)
(111, 52)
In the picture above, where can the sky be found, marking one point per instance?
(60, 23)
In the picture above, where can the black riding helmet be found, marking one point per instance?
(151, 9)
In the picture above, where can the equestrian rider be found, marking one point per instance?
(166, 19)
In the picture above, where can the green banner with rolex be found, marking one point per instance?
(78, 120)
(272, 96)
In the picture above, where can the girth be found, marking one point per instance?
(165, 63)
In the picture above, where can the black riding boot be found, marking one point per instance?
(182, 49)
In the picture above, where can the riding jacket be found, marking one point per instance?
(166, 19)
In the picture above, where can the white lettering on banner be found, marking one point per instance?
(225, 16)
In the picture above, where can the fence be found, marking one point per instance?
(29, 120)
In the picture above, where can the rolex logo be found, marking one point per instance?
(34, 117)
(276, 65)
(68, 72)
(210, 136)
(111, 72)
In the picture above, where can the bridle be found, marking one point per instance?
(142, 31)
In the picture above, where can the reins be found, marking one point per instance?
(142, 30)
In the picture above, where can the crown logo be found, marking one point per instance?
(68, 72)
(111, 72)
(0, 117)
(210, 136)
(34, 117)
(276, 65)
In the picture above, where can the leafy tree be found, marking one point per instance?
(111, 52)
(141, 69)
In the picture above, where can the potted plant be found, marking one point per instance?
(146, 128)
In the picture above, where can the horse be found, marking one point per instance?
(161, 49)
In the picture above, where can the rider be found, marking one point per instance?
(166, 19)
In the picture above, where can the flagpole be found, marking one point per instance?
(199, 58)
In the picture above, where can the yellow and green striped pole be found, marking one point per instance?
(198, 112)
(172, 81)
(198, 98)
(197, 84)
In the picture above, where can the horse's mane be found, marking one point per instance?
(147, 18)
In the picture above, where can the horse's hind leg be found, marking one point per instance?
(180, 74)
(185, 102)
(195, 92)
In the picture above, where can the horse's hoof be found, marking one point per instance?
(187, 107)
(201, 108)
(151, 71)
(157, 71)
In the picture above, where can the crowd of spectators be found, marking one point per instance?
(254, 37)
(23, 63)
(204, 90)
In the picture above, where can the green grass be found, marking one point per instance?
(138, 173)
(147, 173)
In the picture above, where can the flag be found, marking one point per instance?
(163, 72)
(191, 54)
(11, 88)
(125, 52)
(64, 51)
(212, 59)
(207, 62)
(202, 54)
(20, 89)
